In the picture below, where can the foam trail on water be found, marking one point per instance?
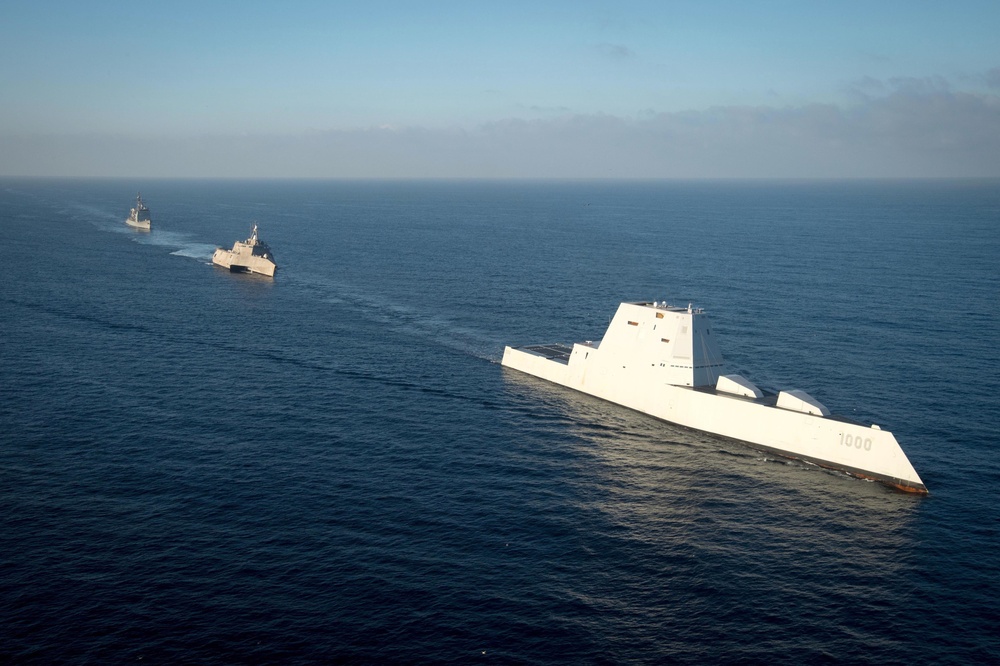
(185, 244)
(102, 219)
(196, 251)
(445, 330)
(440, 328)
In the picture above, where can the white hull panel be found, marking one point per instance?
(243, 264)
(144, 224)
(618, 370)
(249, 256)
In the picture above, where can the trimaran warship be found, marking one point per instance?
(663, 361)
(249, 256)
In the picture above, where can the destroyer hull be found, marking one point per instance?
(859, 450)
(243, 262)
(138, 217)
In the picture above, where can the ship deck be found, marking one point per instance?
(558, 351)
(770, 399)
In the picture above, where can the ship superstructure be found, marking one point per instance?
(250, 256)
(138, 217)
(664, 361)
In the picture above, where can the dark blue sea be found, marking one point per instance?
(332, 466)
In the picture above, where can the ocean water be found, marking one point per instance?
(332, 466)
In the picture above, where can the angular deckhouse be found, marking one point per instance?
(664, 361)
(250, 256)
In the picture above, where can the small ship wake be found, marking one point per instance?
(183, 244)
(439, 328)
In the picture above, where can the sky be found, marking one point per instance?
(512, 89)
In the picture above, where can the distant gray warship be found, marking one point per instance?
(249, 256)
(664, 361)
(138, 217)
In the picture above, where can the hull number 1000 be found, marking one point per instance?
(858, 442)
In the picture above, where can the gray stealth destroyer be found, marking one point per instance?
(664, 361)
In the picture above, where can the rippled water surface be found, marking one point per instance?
(197, 466)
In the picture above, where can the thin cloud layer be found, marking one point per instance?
(993, 78)
(615, 51)
(920, 128)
